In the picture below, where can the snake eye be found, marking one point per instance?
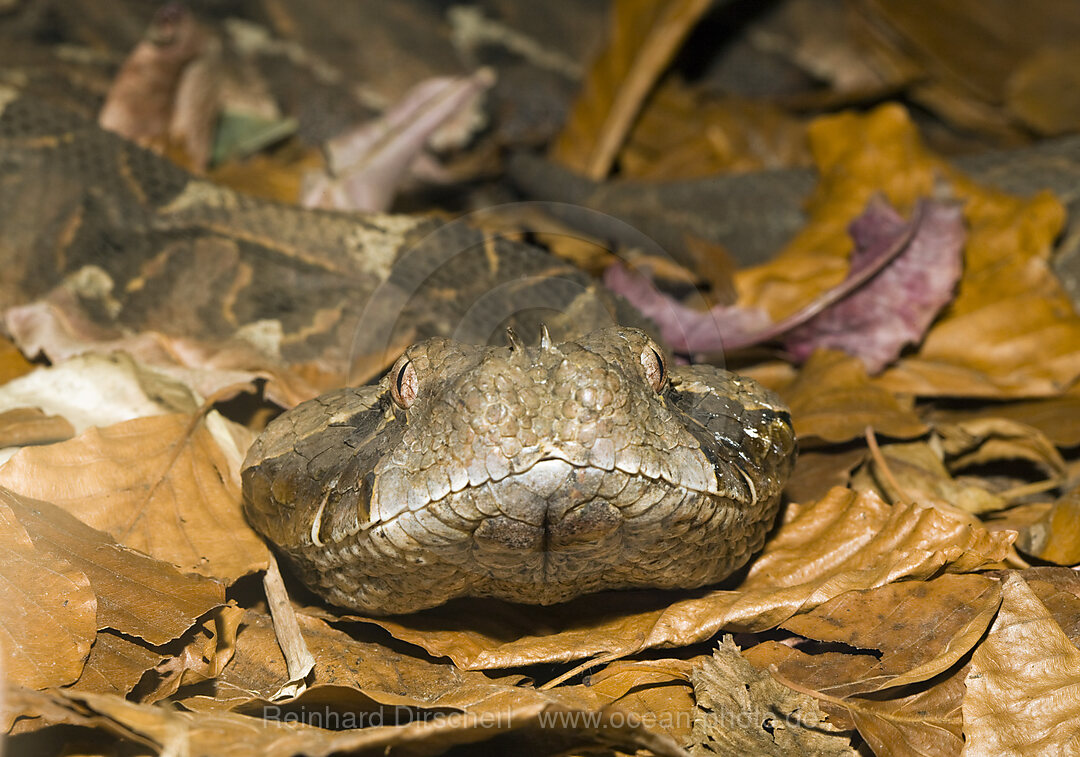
(404, 385)
(655, 368)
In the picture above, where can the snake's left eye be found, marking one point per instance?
(403, 383)
(655, 368)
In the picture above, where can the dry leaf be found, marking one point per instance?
(645, 35)
(818, 471)
(1055, 536)
(59, 328)
(686, 330)
(928, 722)
(206, 653)
(919, 628)
(658, 692)
(990, 439)
(1023, 688)
(136, 595)
(1059, 590)
(832, 399)
(96, 390)
(115, 665)
(1042, 92)
(682, 133)
(22, 426)
(1010, 332)
(163, 485)
(896, 306)
(371, 685)
(368, 165)
(232, 735)
(915, 472)
(49, 612)
(12, 362)
(967, 75)
(1058, 418)
(741, 710)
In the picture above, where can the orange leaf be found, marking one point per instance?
(645, 35)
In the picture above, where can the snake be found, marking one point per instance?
(529, 473)
(575, 458)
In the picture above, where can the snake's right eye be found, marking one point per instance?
(403, 384)
(652, 360)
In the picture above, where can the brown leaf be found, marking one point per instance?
(658, 692)
(1058, 418)
(12, 362)
(921, 629)
(682, 133)
(916, 473)
(990, 439)
(1041, 92)
(928, 722)
(204, 656)
(845, 542)
(231, 735)
(49, 612)
(1023, 689)
(1055, 536)
(832, 399)
(97, 390)
(818, 471)
(967, 74)
(136, 595)
(1059, 590)
(390, 688)
(386, 677)
(29, 425)
(741, 710)
(164, 485)
(115, 665)
(645, 34)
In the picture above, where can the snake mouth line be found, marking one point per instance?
(536, 494)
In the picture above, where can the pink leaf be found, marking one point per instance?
(369, 164)
(897, 306)
(685, 330)
(902, 274)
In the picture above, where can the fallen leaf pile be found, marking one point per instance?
(918, 594)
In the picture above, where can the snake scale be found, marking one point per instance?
(569, 460)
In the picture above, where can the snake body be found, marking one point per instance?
(527, 473)
(532, 473)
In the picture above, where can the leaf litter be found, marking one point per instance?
(889, 610)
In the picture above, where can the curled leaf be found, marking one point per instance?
(368, 165)
(897, 305)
